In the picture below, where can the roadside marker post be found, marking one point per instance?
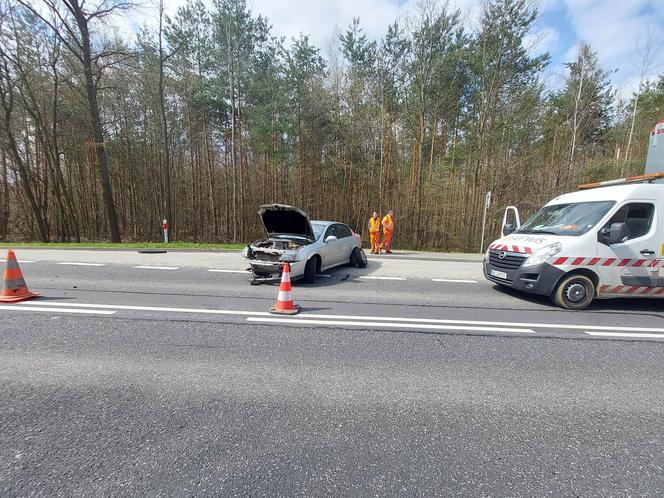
(165, 226)
(487, 203)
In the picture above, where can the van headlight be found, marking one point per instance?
(542, 255)
(289, 256)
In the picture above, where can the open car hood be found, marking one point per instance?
(281, 219)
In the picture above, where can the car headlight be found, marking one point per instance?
(289, 256)
(542, 255)
(245, 252)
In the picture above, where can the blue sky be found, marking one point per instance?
(618, 31)
(614, 29)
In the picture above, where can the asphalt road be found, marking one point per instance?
(153, 381)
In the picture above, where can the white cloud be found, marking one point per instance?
(542, 40)
(318, 19)
(614, 29)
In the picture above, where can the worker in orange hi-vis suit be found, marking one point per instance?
(374, 233)
(388, 231)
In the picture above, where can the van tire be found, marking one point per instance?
(358, 258)
(310, 271)
(574, 292)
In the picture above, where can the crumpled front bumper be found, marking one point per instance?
(270, 271)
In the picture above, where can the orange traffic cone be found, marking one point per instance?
(14, 289)
(284, 305)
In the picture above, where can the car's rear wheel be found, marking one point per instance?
(358, 258)
(310, 271)
(574, 292)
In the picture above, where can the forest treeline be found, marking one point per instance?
(209, 115)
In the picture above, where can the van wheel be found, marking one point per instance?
(358, 258)
(310, 271)
(574, 292)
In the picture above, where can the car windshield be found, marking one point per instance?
(318, 230)
(566, 219)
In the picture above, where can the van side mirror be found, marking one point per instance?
(330, 238)
(511, 212)
(615, 234)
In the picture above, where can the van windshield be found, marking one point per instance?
(566, 219)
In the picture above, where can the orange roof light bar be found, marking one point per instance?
(622, 181)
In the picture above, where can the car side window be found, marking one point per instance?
(637, 216)
(343, 231)
(330, 231)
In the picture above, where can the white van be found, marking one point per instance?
(604, 241)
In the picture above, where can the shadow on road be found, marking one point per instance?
(632, 305)
(344, 274)
(54, 298)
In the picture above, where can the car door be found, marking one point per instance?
(330, 250)
(347, 242)
(632, 263)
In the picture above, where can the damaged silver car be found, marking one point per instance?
(310, 247)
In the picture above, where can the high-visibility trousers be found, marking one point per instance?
(387, 239)
(375, 240)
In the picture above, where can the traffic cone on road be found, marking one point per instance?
(14, 289)
(284, 304)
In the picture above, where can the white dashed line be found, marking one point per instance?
(482, 323)
(358, 321)
(73, 263)
(623, 334)
(382, 278)
(244, 272)
(18, 261)
(156, 267)
(152, 308)
(324, 276)
(307, 321)
(454, 280)
(55, 310)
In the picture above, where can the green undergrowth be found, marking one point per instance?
(123, 245)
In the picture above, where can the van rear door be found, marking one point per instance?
(626, 267)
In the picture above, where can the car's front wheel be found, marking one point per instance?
(574, 292)
(310, 271)
(358, 258)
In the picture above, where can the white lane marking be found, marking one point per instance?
(54, 310)
(625, 334)
(382, 278)
(481, 323)
(73, 263)
(323, 276)
(228, 271)
(454, 280)
(156, 267)
(156, 308)
(355, 318)
(18, 261)
(307, 321)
